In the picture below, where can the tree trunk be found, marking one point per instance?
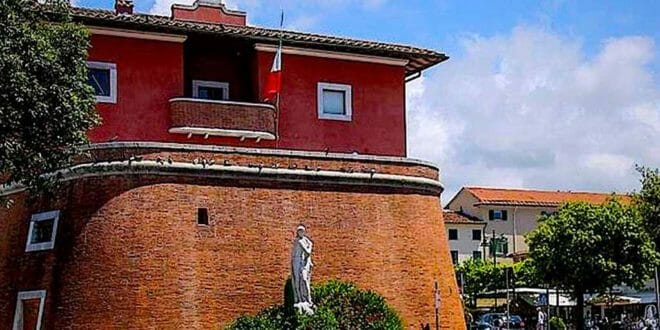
(579, 309)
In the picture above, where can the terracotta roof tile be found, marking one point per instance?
(460, 218)
(523, 197)
(419, 58)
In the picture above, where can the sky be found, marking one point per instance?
(559, 95)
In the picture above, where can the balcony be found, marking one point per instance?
(222, 118)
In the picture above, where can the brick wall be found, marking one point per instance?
(129, 253)
(222, 116)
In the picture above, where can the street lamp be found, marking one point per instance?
(492, 244)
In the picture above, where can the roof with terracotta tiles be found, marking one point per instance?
(456, 217)
(543, 198)
(418, 58)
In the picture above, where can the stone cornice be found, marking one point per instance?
(263, 151)
(149, 167)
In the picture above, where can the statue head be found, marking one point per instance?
(300, 231)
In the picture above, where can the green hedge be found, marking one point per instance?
(338, 305)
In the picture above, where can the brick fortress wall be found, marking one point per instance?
(129, 252)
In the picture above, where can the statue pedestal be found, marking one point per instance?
(304, 308)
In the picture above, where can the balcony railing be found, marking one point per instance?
(222, 118)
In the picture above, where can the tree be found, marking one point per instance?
(46, 105)
(589, 248)
(478, 276)
(481, 276)
(647, 200)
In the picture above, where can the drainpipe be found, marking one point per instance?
(515, 231)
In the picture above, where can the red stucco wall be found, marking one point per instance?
(149, 73)
(378, 123)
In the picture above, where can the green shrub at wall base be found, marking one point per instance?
(338, 305)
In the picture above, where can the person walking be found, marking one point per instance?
(540, 319)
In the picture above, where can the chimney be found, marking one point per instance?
(208, 11)
(124, 7)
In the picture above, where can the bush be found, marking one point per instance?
(557, 323)
(338, 305)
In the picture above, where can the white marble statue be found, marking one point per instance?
(301, 271)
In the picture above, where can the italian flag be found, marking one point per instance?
(274, 81)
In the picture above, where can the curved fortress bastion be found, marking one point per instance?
(129, 251)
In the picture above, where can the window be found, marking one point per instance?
(476, 234)
(453, 234)
(210, 90)
(29, 309)
(497, 215)
(103, 78)
(454, 257)
(334, 101)
(476, 255)
(499, 246)
(42, 231)
(202, 216)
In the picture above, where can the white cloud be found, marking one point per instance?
(164, 7)
(531, 109)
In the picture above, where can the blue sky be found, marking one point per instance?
(439, 24)
(536, 94)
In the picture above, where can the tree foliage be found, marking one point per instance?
(647, 201)
(46, 105)
(481, 276)
(339, 305)
(588, 248)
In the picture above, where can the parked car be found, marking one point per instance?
(495, 321)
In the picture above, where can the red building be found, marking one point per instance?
(182, 214)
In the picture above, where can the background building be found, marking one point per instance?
(465, 234)
(183, 214)
(512, 213)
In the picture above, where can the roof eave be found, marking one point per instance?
(419, 59)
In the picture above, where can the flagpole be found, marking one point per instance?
(277, 97)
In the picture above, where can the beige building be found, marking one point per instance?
(465, 234)
(512, 213)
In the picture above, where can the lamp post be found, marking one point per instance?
(506, 279)
(492, 244)
(493, 250)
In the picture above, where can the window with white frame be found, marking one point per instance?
(210, 90)
(102, 76)
(29, 309)
(334, 101)
(42, 231)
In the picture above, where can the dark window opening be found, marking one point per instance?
(498, 215)
(202, 216)
(99, 79)
(212, 93)
(454, 257)
(476, 235)
(42, 231)
(453, 234)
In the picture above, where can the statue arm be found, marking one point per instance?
(306, 246)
